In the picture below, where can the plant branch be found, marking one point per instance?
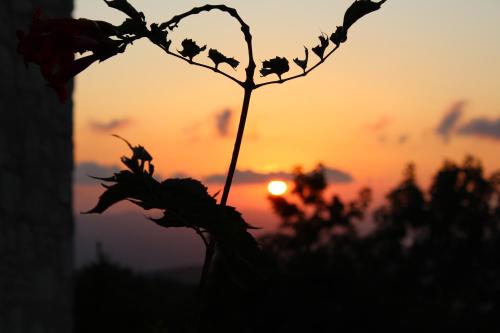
(248, 84)
(245, 29)
(214, 69)
(299, 75)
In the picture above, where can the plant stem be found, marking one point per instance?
(237, 146)
(210, 247)
(202, 286)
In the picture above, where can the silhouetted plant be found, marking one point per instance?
(53, 45)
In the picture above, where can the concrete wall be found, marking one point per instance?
(36, 225)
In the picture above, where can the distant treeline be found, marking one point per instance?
(432, 263)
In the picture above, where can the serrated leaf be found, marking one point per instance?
(185, 203)
(127, 185)
(218, 58)
(190, 49)
(319, 50)
(302, 63)
(170, 220)
(237, 248)
(277, 65)
(135, 183)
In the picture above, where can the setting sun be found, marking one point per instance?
(277, 187)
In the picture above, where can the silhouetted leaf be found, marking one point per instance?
(277, 66)
(190, 49)
(125, 7)
(219, 58)
(356, 11)
(302, 63)
(319, 50)
(359, 9)
(140, 157)
(170, 219)
(128, 185)
(159, 36)
(238, 250)
(131, 27)
(136, 183)
(338, 36)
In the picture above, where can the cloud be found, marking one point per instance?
(85, 169)
(109, 126)
(222, 122)
(179, 174)
(379, 130)
(449, 122)
(337, 176)
(403, 138)
(481, 127)
(253, 177)
(378, 126)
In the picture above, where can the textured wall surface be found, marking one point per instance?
(36, 227)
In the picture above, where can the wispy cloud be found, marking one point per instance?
(337, 176)
(253, 177)
(450, 120)
(403, 138)
(481, 127)
(379, 125)
(84, 170)
(223, 121)
(109, 126)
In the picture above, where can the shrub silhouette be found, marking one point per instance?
(53, 45)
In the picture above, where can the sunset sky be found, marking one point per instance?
(416, 82)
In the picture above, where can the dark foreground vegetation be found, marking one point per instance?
(113, 298)
(431, 264)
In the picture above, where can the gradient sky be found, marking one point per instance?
(416, 81)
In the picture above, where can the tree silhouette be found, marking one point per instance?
(430, 263)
